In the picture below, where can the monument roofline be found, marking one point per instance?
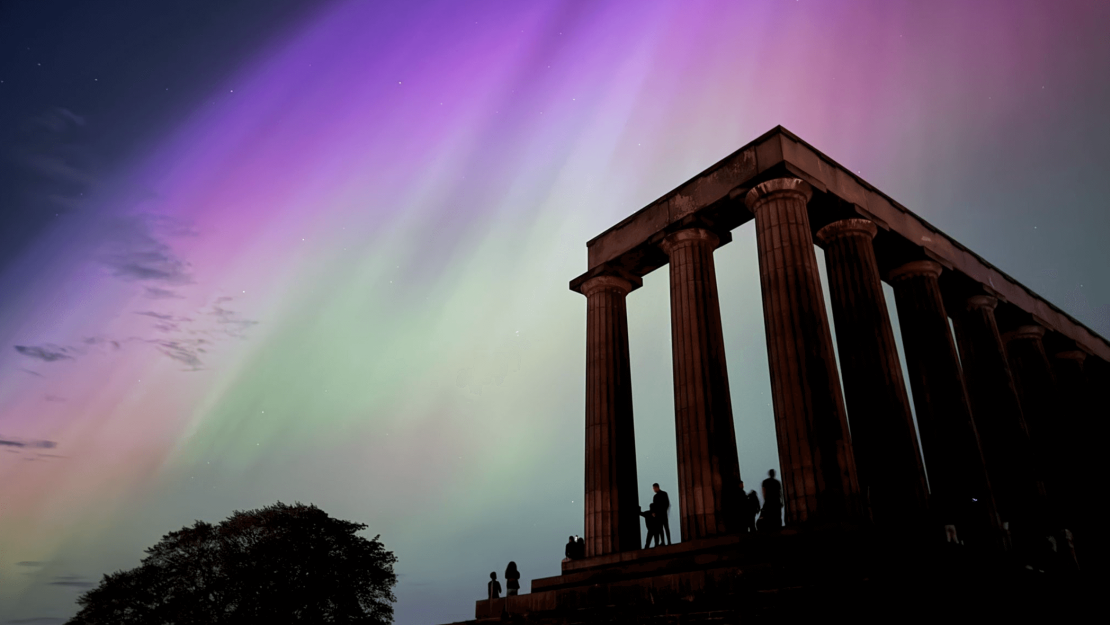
(714, 198)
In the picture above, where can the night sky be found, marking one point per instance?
(262, 250)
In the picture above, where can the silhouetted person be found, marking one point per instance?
(661, 504)
(579, 548)
(771, 516)
(512, 580)
(654, 527)
(572, 549)
(494, 587)
(751, 508)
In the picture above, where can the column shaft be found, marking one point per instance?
(884, 440)
(960, 490)
(1036, 388)
(818, 469)
(612, 504)
(1075, 448)
(708, 468)
(1012, 465)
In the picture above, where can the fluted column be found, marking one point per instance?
(960, 490)
(708, 468)
(884, 440)
(1012, 465)
(612, 504)
(1036, 387)
(818, 469)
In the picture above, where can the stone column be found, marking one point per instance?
(1011, 463)
(708, 468)
(1077, 445)
(1098, 375)
(1079, 454)
(891, 477)
(612, 504)
(818, 469)
(1036, 387)
(960, 490)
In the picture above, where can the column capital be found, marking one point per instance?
(1028, 332)
(1072, 354)
(597, 283)
(981, 301)
(847, 227)
(916, 268)
(675, 239)
(779, 186)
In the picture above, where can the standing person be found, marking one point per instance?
(771, 516)
(751, 508)
(572, 548)
(579, 547)
(661, 504)
(512, 580)
(654, 531)
(494, 587)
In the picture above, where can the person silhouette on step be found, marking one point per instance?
(661, 503)
(770, 518)
(570, 550)
(751, 507)
(512, 580)
(494, 586)
(654, 528)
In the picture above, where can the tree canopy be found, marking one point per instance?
(278, 564)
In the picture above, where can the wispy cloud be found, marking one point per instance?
(186, 339)
(61, 170)
(30, 563)
(136, 251)
(167, 323)
(45, 353)
(230, 322)
(153, 292)
(74, 581)
(9, 442)
(57, 119)
(187, 352)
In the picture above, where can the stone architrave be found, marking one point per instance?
(815, 451)
(884, 440)
(1012, 465)
(708, 467)
(960, 490)
(612, 522)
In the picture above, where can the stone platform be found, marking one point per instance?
(792, 577)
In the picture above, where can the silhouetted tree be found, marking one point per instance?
(279, 564)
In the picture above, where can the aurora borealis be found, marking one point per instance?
(336, 272)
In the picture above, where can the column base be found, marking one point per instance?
(793, 576)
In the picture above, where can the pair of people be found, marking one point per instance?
(576, 548)
(656, 518)
(770, 513)
(512, 582)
